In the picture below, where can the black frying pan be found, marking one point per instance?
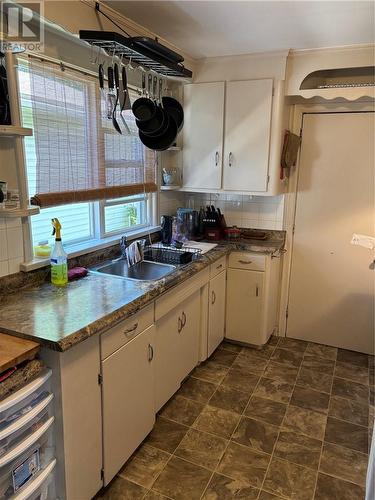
(175, 110)
(163, 141)
(144, 108)
(156, 125)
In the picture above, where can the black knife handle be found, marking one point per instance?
(117, 76)
(101, 76)
(111, 84)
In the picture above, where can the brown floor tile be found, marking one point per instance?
(264, 495)
(217, 421)
(225, 488)
(273, 340)
(182, 480)
(201, 448)
(229, 346)
(286, 357)
(197, 390)
(372, 396)
(266, 410)
(264, 352)
(349, 371)
(245, 464)
(310, 399)
(292, 344)
(153, 495)
(223, 357)
(230, 399)
(349, 410)
(250, 363)
(318, 364)
(241, 380)
(299, 449)
(273, 389)
(346, 434)
(166, 435)
(282, 373)
(305, 421)
(331, 488)
(182, 410)
(314, 380)
(350, 390)
(210, 371)
(344, 463)
(121, 489)
(290, 480)
(356, 358)
(255, 434)
(145, 465)
(321, 351)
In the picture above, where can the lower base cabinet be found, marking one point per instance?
(176, 347)
(216, 311)
(128, 400)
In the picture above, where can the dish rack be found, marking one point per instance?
(171, 255)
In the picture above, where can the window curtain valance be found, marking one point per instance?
(78, 156)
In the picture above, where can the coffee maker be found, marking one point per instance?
(166, 229)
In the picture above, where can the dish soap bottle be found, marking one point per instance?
(59, 259)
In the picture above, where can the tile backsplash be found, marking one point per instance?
(11, 246)
(258, 212)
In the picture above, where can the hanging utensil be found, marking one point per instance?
(117, 89)
(157, 125)
(144, 108)
(125, 97)
(111, 86)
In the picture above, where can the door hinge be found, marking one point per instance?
(287, 312)
(294, 229)
(100, 379)
(102, 474)
(268, 180)
(300, 132)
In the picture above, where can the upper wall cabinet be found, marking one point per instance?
(203, 135)
(236, 156)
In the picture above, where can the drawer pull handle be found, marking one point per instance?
(213, 295)
(245, 261)
(183, 319)
(230, 159)
(257, 291)
(216, 158)
(219, 267)
(150, 353)
(131, 330)
(180, 326)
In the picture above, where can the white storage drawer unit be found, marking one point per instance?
(26, 441)
(252, 297)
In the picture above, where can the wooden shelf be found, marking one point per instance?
(169, 188)
(12, 131)
(18, 212)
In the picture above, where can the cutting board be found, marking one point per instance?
(14, 350)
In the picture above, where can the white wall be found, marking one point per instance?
(11, 246)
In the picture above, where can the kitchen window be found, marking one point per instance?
(81, 133)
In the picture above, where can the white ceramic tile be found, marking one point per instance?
(267, 211)
(278, 225)
(15, 242)
(266, 224)
(4, 268)
(3, 245)
(251, 210)
(3, 223)
(14, 265)
(13, 222)
(250, 223)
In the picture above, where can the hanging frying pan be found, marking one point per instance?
(164, 140)
(144, 108)
(156, 125)
(175, 110)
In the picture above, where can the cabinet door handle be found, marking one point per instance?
(179, 325)
(245, 261)
(216, 158)
(213, 297)
(219, 267)
(257, 291)
(150, 353)
(230, 159)
(183, 319)
(129, 331)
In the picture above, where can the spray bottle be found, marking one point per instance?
(59, 260)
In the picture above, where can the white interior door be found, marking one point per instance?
(203, 135)
(247, 134)
(331, 287)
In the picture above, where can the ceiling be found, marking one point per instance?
(217, 28)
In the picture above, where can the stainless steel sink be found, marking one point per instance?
(144, 271)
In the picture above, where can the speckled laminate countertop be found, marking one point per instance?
(60, 318)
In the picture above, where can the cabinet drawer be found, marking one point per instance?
(119, 335)
(246, 260)
(218, 266)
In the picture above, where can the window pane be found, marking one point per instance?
(76, 221)
(125, 216)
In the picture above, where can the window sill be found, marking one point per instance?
(88, 247)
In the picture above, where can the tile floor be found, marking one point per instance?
(290, 421)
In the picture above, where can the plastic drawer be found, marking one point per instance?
(31, 455)
(24, 400)
(42, 487)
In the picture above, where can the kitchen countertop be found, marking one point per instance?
(60, 318)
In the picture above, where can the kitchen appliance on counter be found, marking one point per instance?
(166, 229)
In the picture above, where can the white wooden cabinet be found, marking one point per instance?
(216, 311)
(247, 135)
(128, 400)
(176, 347)
(238, 159)
(203, 135)
(252, 297)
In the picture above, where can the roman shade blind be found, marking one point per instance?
(79, 157)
